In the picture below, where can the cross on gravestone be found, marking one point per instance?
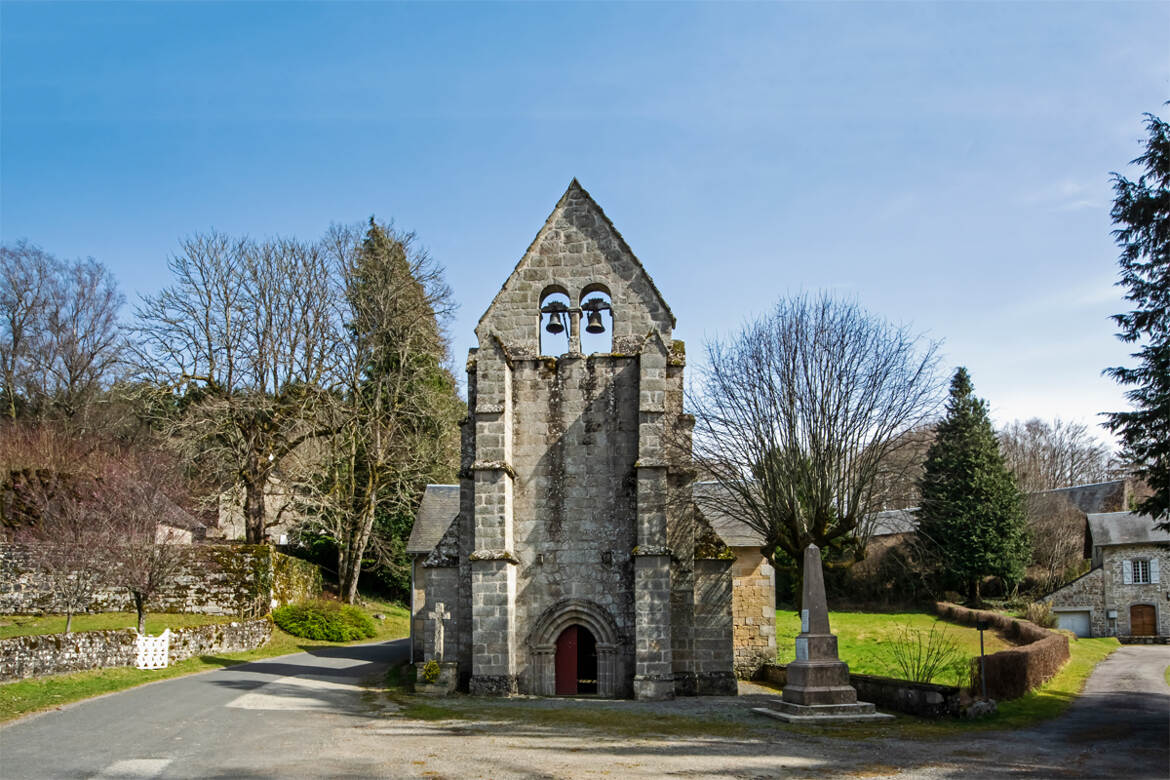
(439, 614)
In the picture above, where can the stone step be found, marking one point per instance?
(856, 708)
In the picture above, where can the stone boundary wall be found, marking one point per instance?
(924, 700)
(1012, 673)
(36, 656)
(244, 580)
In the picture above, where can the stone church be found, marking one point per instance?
(570, 558)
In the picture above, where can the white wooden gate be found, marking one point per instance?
(154, 651)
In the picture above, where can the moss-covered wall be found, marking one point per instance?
(245, 580)
(35, 656)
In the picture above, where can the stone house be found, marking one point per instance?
(570, 558)
(1123, 593)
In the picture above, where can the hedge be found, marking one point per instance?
(1012, 673)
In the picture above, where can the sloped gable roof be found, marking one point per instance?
(439, 507)
(712, 500)
(576, 190)
(1113, 528)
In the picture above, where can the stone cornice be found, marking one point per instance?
(494, 555)
(494, 465)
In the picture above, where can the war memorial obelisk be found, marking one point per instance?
(818, 689)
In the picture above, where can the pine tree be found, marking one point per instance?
(972, 512)
(1141, 211)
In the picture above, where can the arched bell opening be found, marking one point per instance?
(576, 662)
(596, 320)
(555, 323)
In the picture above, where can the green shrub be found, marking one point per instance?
(1040, 613)
(431, 671)
(921, 656)
(327, 620)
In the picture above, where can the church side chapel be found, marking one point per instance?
(570, 559)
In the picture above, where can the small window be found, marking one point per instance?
(1141, 571)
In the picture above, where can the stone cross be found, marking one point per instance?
(439, 614)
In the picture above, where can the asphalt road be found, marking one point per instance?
(307, 715)
(217, 724)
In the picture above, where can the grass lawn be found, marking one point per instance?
(626, 719)
(26, 696)
(866, 640)
(27, 625)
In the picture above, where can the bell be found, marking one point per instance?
(595, 325)
(555, 323)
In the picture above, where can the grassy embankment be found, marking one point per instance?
(864, 640)
(867, 641)
(26, 696)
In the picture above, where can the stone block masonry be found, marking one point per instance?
(35, 656)
(243, 580)
(575, 561)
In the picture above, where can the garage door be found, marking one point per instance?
(1077, 622)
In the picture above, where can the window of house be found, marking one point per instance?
(1141, 571)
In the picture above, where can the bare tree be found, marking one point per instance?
(396, 410)
(244, 340)
(25, 278)
(146, 554)
(1058, 536)
(901, 470)
(61, 342)
(48, 495)
(1049, 455)
(797, 414)
(72, 542)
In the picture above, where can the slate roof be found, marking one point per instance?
(1095, 498)
(712, 500)
(440, 505)
(1114, 528)
(895, 521)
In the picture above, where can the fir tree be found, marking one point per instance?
(1141, 211)
(972, 512)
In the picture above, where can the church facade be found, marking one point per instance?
(571, 559)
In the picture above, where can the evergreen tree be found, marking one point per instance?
(395, 413)
(972, 512)
(1141, 211)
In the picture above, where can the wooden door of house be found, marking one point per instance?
(566, 662)
(1142, 620)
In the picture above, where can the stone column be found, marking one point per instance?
(653, 661)
(493, 561)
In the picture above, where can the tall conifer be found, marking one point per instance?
(972, 512)
(1141, 212)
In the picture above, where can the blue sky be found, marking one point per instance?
(945, 164)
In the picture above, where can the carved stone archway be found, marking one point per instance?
(542, 643)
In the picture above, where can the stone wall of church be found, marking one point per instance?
(575, 442)
(576, 250)
(754, 611)
(713, 650)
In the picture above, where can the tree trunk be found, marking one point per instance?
(254, 530)
(357, 551)
(973, 593)
(68, 621)
(140, 604)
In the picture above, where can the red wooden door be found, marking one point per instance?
(1142, 620)
(567, 662)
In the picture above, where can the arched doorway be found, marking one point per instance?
(574, 640)
(1143, 620)
(576, 662)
